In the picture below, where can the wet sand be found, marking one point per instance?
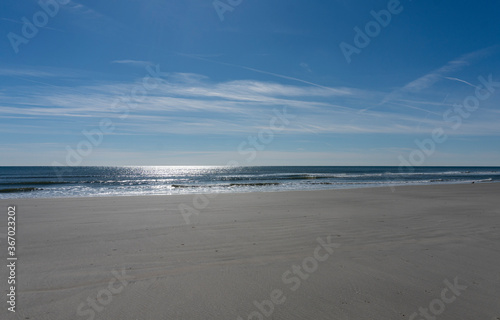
(416, 253)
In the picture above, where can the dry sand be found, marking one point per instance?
(258, 256)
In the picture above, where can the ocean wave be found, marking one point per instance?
(34, 183)
(187, 186)
(484, 180)
(305, 176)
(446, 173)
(14, 190)
(256, 184)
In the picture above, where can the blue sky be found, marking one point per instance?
(181, 86)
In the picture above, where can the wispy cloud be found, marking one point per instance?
(89, 19)
(452, 66)
(257, 70)
(186, 103)
(434, 76)
(37, 73)
(137, 63)
(22, 23)
(306, 67)
(30, 74)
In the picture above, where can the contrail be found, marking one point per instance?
(256, 70)
(417, 108)
(460, 80)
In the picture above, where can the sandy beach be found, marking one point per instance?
(420, 252)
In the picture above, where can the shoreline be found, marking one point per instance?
(343, 254)
(251, 192)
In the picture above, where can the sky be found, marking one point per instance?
(249, 82)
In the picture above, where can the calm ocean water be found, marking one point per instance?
(50, 182)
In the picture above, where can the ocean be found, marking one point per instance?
(55, 182)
